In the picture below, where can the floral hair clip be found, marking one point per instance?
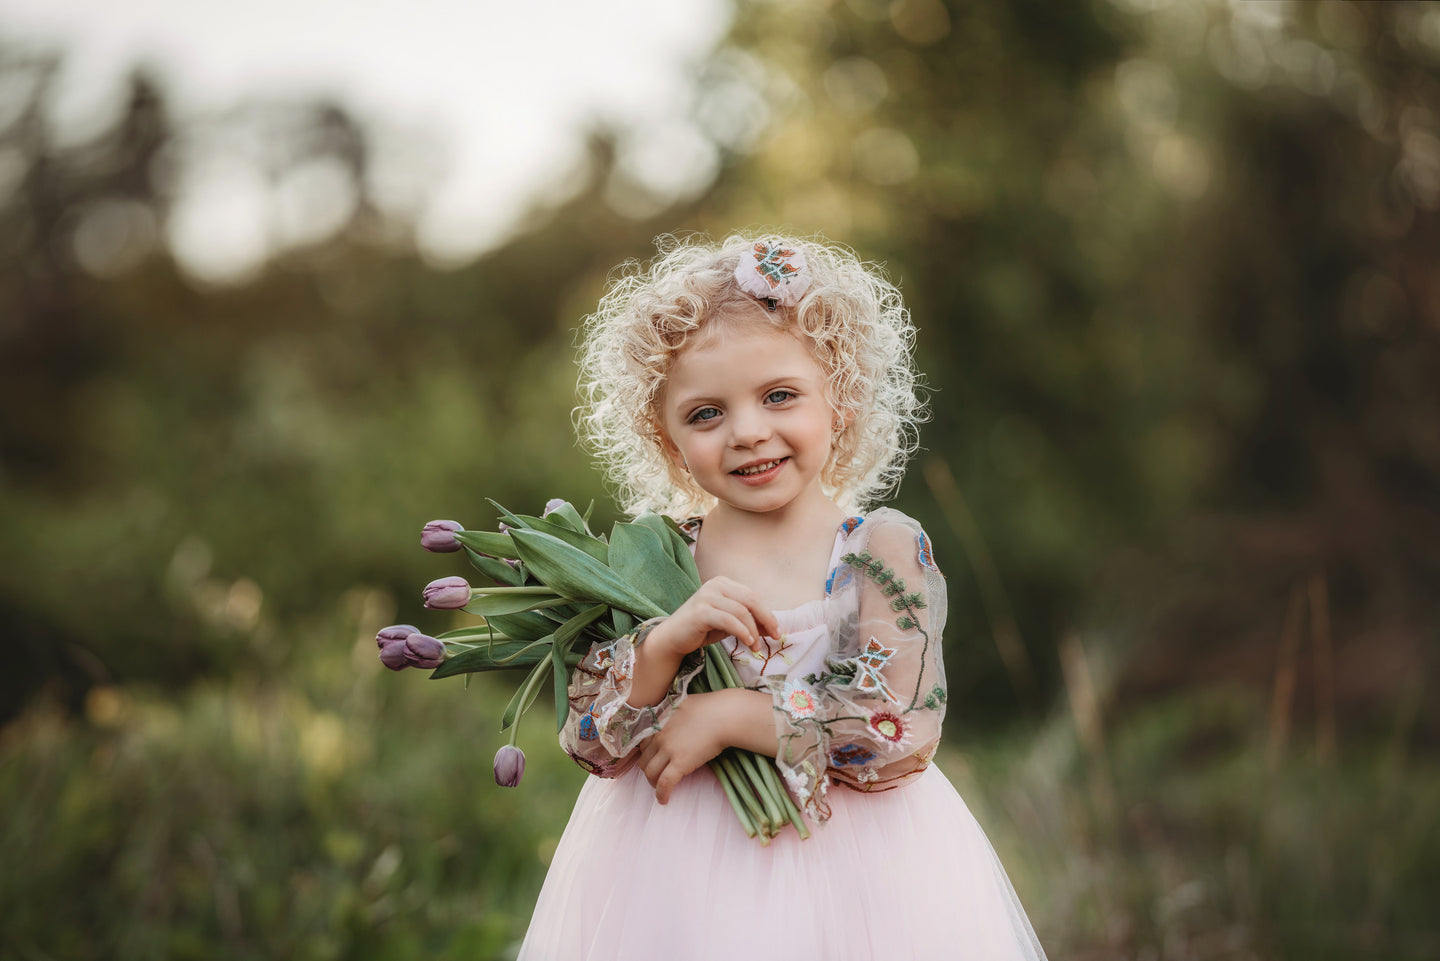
(774, 273)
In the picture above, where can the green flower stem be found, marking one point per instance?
(767, 766)
(538, 590)
(752, 767)
(712, 673)
(727, 669)
(761, 771)
(745, 820)
(797, 819)
(787, 803)
(727, 761)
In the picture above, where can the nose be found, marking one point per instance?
(748, 428)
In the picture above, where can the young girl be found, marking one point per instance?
(763, 389)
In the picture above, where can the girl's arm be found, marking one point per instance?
(871, 719)
(625, 691)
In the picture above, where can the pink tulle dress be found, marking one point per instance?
(895, 868)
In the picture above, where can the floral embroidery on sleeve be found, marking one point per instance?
(871, 718)
(799, 699)
(603, 728)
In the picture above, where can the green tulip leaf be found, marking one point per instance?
(496, 570)
(525, 697)
(523, 625)
(676, 540)
(479, 634)
(574, 537)
(641, 558)
(676, 529)
(623, 621)
(512, 519)
(591, 545)
(505, 655)
(560, 650)
(489, 605)
(488, 542)
(579, 576)
(680, 545)
(567, 515)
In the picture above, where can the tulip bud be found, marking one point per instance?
(395, 632)
(447, 593)
(422, 650)
(439, 537)
(392, 655)
(553, 505)
(509, 766)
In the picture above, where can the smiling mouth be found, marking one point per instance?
(754, 469)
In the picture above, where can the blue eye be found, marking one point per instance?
(704, 413)
(778, 396)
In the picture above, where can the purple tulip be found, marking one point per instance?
(509, 766)
(422, 650)
(553, 505)
(447, 593)
(392, 655)
(395, 632)
(439, 537)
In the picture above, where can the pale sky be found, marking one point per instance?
(491, 97)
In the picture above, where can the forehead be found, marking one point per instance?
(738, 356)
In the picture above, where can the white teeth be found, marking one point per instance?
(758, 468)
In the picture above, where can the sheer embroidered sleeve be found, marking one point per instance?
(603, 729)
(871, 719)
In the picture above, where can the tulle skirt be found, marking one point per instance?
(899, 874)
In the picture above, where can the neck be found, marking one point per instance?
(798, 518)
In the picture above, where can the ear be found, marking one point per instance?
(671, 451)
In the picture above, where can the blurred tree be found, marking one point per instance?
(1169, 264)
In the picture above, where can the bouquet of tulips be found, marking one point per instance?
(557, 589)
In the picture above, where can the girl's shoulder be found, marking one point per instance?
(886, 519)
(890, 538)
(886, 532)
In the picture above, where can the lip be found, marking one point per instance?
(764, 476)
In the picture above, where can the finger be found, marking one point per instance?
(768, 622)
(761, 616)
(654, 767)
(748, 632)
(728, 625)
(666, 783)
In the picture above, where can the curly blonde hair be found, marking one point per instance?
(852, 319)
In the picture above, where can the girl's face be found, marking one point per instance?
(744, 411)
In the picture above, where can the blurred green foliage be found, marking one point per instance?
(1173, 266)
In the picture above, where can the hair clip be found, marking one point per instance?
(774, 273)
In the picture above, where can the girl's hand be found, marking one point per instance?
(700, 728)
(720, 608)
(689, 739)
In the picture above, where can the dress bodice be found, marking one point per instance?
(802, 645)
